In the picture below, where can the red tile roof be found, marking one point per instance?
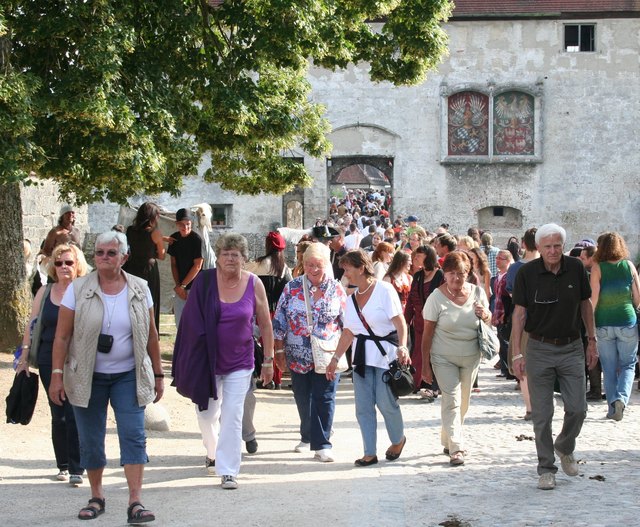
(544, 8)
(537, 8)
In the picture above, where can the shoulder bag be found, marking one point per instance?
(488, 341)
(399, 376)
(36, 330)
(322, 350)
(21, 401)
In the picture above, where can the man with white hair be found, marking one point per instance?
(551, 296)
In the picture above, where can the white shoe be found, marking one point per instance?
(75, 480)
(302, 446)
(229, 483)
(63, 475)
(324, 455)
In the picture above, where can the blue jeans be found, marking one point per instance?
(618, 347)
(120, 390)
(315, 398)
(371, 391)
(64, 434)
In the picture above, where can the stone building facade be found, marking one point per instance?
(41, 211)
(519, 126)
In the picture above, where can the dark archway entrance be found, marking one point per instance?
(368, 173)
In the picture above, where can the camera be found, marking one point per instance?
(105, 342)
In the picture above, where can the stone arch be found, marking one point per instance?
(335, 166)
(368, 147)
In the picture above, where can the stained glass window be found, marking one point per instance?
(468, 124)
(513, 124)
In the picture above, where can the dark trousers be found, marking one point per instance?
(547, 364)
(64, 434)
(315, 398)
(504, 351)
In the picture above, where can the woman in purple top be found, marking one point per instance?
(213, 355)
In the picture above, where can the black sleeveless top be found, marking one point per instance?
(49, 323)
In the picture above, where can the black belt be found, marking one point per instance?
(559, 341)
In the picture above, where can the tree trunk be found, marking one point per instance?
(14, 292)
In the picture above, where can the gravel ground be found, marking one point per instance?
(496, 486)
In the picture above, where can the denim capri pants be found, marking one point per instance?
(120, 390)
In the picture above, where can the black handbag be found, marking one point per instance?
(21, 401)
(399, 377)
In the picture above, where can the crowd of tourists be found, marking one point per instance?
(364, 292)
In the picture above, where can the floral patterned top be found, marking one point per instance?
(290, 320)
(402, 284)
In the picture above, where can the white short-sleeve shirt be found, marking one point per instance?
(116, 322)
(382, 306)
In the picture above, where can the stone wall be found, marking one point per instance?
(166, 224)
(589, 106)
(588, 103)
(41, 211)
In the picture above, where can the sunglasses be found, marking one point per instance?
(110, 253)
(60, 263)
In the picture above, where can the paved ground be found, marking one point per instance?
(496, 487)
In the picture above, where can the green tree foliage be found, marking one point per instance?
(111, 98)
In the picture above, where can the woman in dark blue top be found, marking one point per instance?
(66, 263)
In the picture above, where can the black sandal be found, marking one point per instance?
(392, 456)
(93, 512)
(138, 516)
(362, 462)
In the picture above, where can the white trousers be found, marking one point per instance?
(221, 423)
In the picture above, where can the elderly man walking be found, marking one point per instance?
(551, 296)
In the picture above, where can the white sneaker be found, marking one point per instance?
(229, 483)
(324, 455)
(75, 480)
(63, 475)
(302, 446)
(547, 481)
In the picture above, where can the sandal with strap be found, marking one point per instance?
(139, 516)
(92, 512)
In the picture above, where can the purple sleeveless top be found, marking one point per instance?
(235, 333)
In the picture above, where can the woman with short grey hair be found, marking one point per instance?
(213, 357)
(230, 242)
(106, 351)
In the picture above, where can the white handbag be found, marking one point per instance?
(322, 349)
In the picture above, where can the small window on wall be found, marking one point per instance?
(579, 37)
(221, 216)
